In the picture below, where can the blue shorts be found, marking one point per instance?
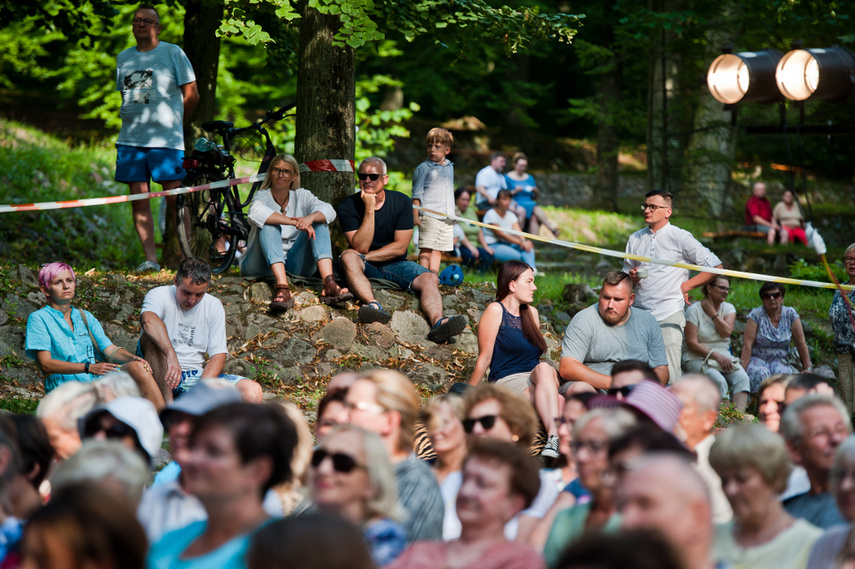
(191, 377)
(402, 273)
(138, 164)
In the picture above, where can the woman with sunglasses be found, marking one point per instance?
(500, 479)
(768, 332)
(842, 316)
(237, 453)
(709, 324)
(510, 343)
(290, 232)
(65, 341)
(352, 477)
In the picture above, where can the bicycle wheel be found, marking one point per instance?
(203, 232)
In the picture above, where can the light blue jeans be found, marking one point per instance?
(504, 252)
(301, 259)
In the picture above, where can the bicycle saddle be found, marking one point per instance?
(217, 126)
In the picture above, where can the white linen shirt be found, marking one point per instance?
(300, 204)
(660, 292)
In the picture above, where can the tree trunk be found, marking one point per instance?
(326, 108)
(608, 143)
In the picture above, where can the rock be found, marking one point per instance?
(474, 314)
(13, 336)
(263, 321)
(118, 278)
(233, 309)
(481, 298)
(252, 330)
(259, 292)
(37, 298)
(6, 350)
(296, 350)
(441, 352)
(379, 334)
(3, 317)
(222, 281)
(824, 371)
(410, 327)
(27, 277)
(238, 366)
(120, 336)
(232, 299)
(340, 334)
(372, 354)
(305, 298)
(466, 342)
(333, 354)
(125, 312)
(562, 317)
(405, 353)
(428, 375)
(314, 313)
(390, 301)
(576, 292)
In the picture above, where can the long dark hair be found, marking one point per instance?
(511, 271)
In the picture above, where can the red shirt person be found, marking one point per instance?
(758, 214)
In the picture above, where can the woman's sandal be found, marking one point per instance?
(332, 293)
(283, 299)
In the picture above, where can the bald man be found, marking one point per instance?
(664, 492)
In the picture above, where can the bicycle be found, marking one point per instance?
(212, 222)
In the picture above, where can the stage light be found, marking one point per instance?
(826, 74)
(743, 77)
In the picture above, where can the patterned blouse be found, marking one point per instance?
(841, 325)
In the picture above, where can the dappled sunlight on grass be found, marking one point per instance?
(592, 227)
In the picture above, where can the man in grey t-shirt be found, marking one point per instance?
(611, 331)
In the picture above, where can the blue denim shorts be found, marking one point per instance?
(191, 377)
(402, 273)
(138, 164)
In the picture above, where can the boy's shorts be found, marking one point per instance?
(436, 234)
(138, 164)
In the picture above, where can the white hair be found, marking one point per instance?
(67, 403)
(104, 462)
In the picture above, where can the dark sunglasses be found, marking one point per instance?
(117, 431)
(372, 177)
(487, 422)
(341, 462)
(625, 390)
(768, 295)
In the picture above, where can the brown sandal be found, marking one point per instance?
(332, 293)
(283, 299)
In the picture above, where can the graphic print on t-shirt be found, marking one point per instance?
(186, 335)
(138, 86)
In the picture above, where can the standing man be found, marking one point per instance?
(660, 289)
(180, 324)
(158, 89)
(378, 225)
(758, 215)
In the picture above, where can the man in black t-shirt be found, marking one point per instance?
(378, 226)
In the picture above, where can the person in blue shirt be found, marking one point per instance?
(64, 340)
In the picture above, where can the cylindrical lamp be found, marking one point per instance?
(743, 77)
(826, 74)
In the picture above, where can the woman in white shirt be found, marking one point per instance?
(506, 246)
(290, 232)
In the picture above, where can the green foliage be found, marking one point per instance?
(19, 406)
(803, 270)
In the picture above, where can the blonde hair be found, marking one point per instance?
(439, 135)
(395, 392)
(268, 178)
(431, 410)
(752, 445)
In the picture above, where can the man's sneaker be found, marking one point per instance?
(147, 267)
(550, 450)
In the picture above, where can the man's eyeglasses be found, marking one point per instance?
(281, 172)
(144, 22)
(487, 423)
(341, 462)
(768, 295)
(652, 207)
(372, 177)
(624, 391)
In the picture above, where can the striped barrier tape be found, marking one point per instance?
(327, 166)
(643, 259)
(128, 198)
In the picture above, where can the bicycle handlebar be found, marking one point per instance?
(278, 115)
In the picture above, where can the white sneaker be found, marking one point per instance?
(147, 267)
(550, 449)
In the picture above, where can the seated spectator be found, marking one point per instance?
(69, 344)
(132, 421)
(628, 549)
(351, 476)
(753, 465)
(663, 492)
(290, 232)
(469, 242)
(378, 226)
(310, 541)
(609, 332)
(36, 457)
(386, 403)
(591, 437)
(709, 324)
(826, 550)
(788, 215)
(84, 526)
(524, 192)
(840, 315)
(502, 245)
(332, 411)
(511, 344)
(443, 417)
(495, 412)
(813, 427)
(499, 480)
(107, 464)
(768, 332)
(237, 453)
(698, 419)
(770, 400)
(180, 324)
(11, 526)
(806, 384)
(60, 410)
(758, 215)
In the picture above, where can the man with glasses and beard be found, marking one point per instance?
(378, 225)
(661, 289)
